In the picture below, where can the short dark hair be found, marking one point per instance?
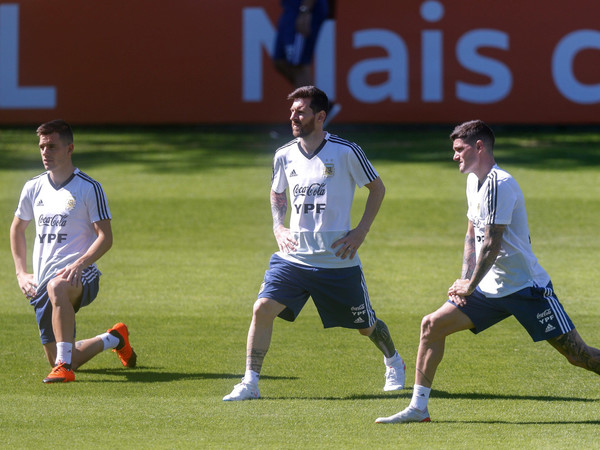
(318, 98)
(57, 126)
(472, 131)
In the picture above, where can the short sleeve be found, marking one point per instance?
(25, 207)
(279, 181)
(499, 204)
(97, 203)
(360, 167)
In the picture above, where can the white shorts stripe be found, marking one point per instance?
(557, 310)
(89, 274)
(297, 49)
(370, 312)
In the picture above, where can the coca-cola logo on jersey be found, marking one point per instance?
(313, 190)
(57, 220)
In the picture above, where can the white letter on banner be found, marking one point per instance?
(562, 66)
(11, 95)
(466, 52)
(432, 89)
(396, 65)
(257, 33)
(325, 59)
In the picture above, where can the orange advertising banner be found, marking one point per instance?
(199, 61)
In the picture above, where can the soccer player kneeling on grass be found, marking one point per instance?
(72, 224)
(500, 276)
(317, 256)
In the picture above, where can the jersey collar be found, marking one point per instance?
(319, 148)
(62, 185)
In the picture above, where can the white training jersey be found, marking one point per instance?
(321, 190)
(500, 201)
(64, 217)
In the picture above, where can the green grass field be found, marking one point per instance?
(192, 232)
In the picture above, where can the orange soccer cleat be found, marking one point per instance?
(61, 373)
(124, 349)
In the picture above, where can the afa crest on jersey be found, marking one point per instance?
(328, 170)
(71, 203)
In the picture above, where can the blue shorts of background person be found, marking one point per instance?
(291, 46)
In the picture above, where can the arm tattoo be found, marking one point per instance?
(278, 208)
(492, 243)
(469, 259)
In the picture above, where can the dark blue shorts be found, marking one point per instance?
(340, 295)
(293, 47)
(43, 306)
(536, 308)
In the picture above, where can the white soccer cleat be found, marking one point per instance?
(242, 391)
(409, 414)
(394, 376)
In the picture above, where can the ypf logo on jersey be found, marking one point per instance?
(328, 170)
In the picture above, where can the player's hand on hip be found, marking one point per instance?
(458, 291)
(27, 285)
(349, 244)
(71, 273)
(285, 239)
(457, 300)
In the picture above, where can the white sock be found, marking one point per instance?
(420, 397)
(251, 377)
(108, 340)
(393, 360)
(64, 350)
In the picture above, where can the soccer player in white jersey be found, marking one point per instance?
(500, 275)
(72, 226)
(318, 252)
